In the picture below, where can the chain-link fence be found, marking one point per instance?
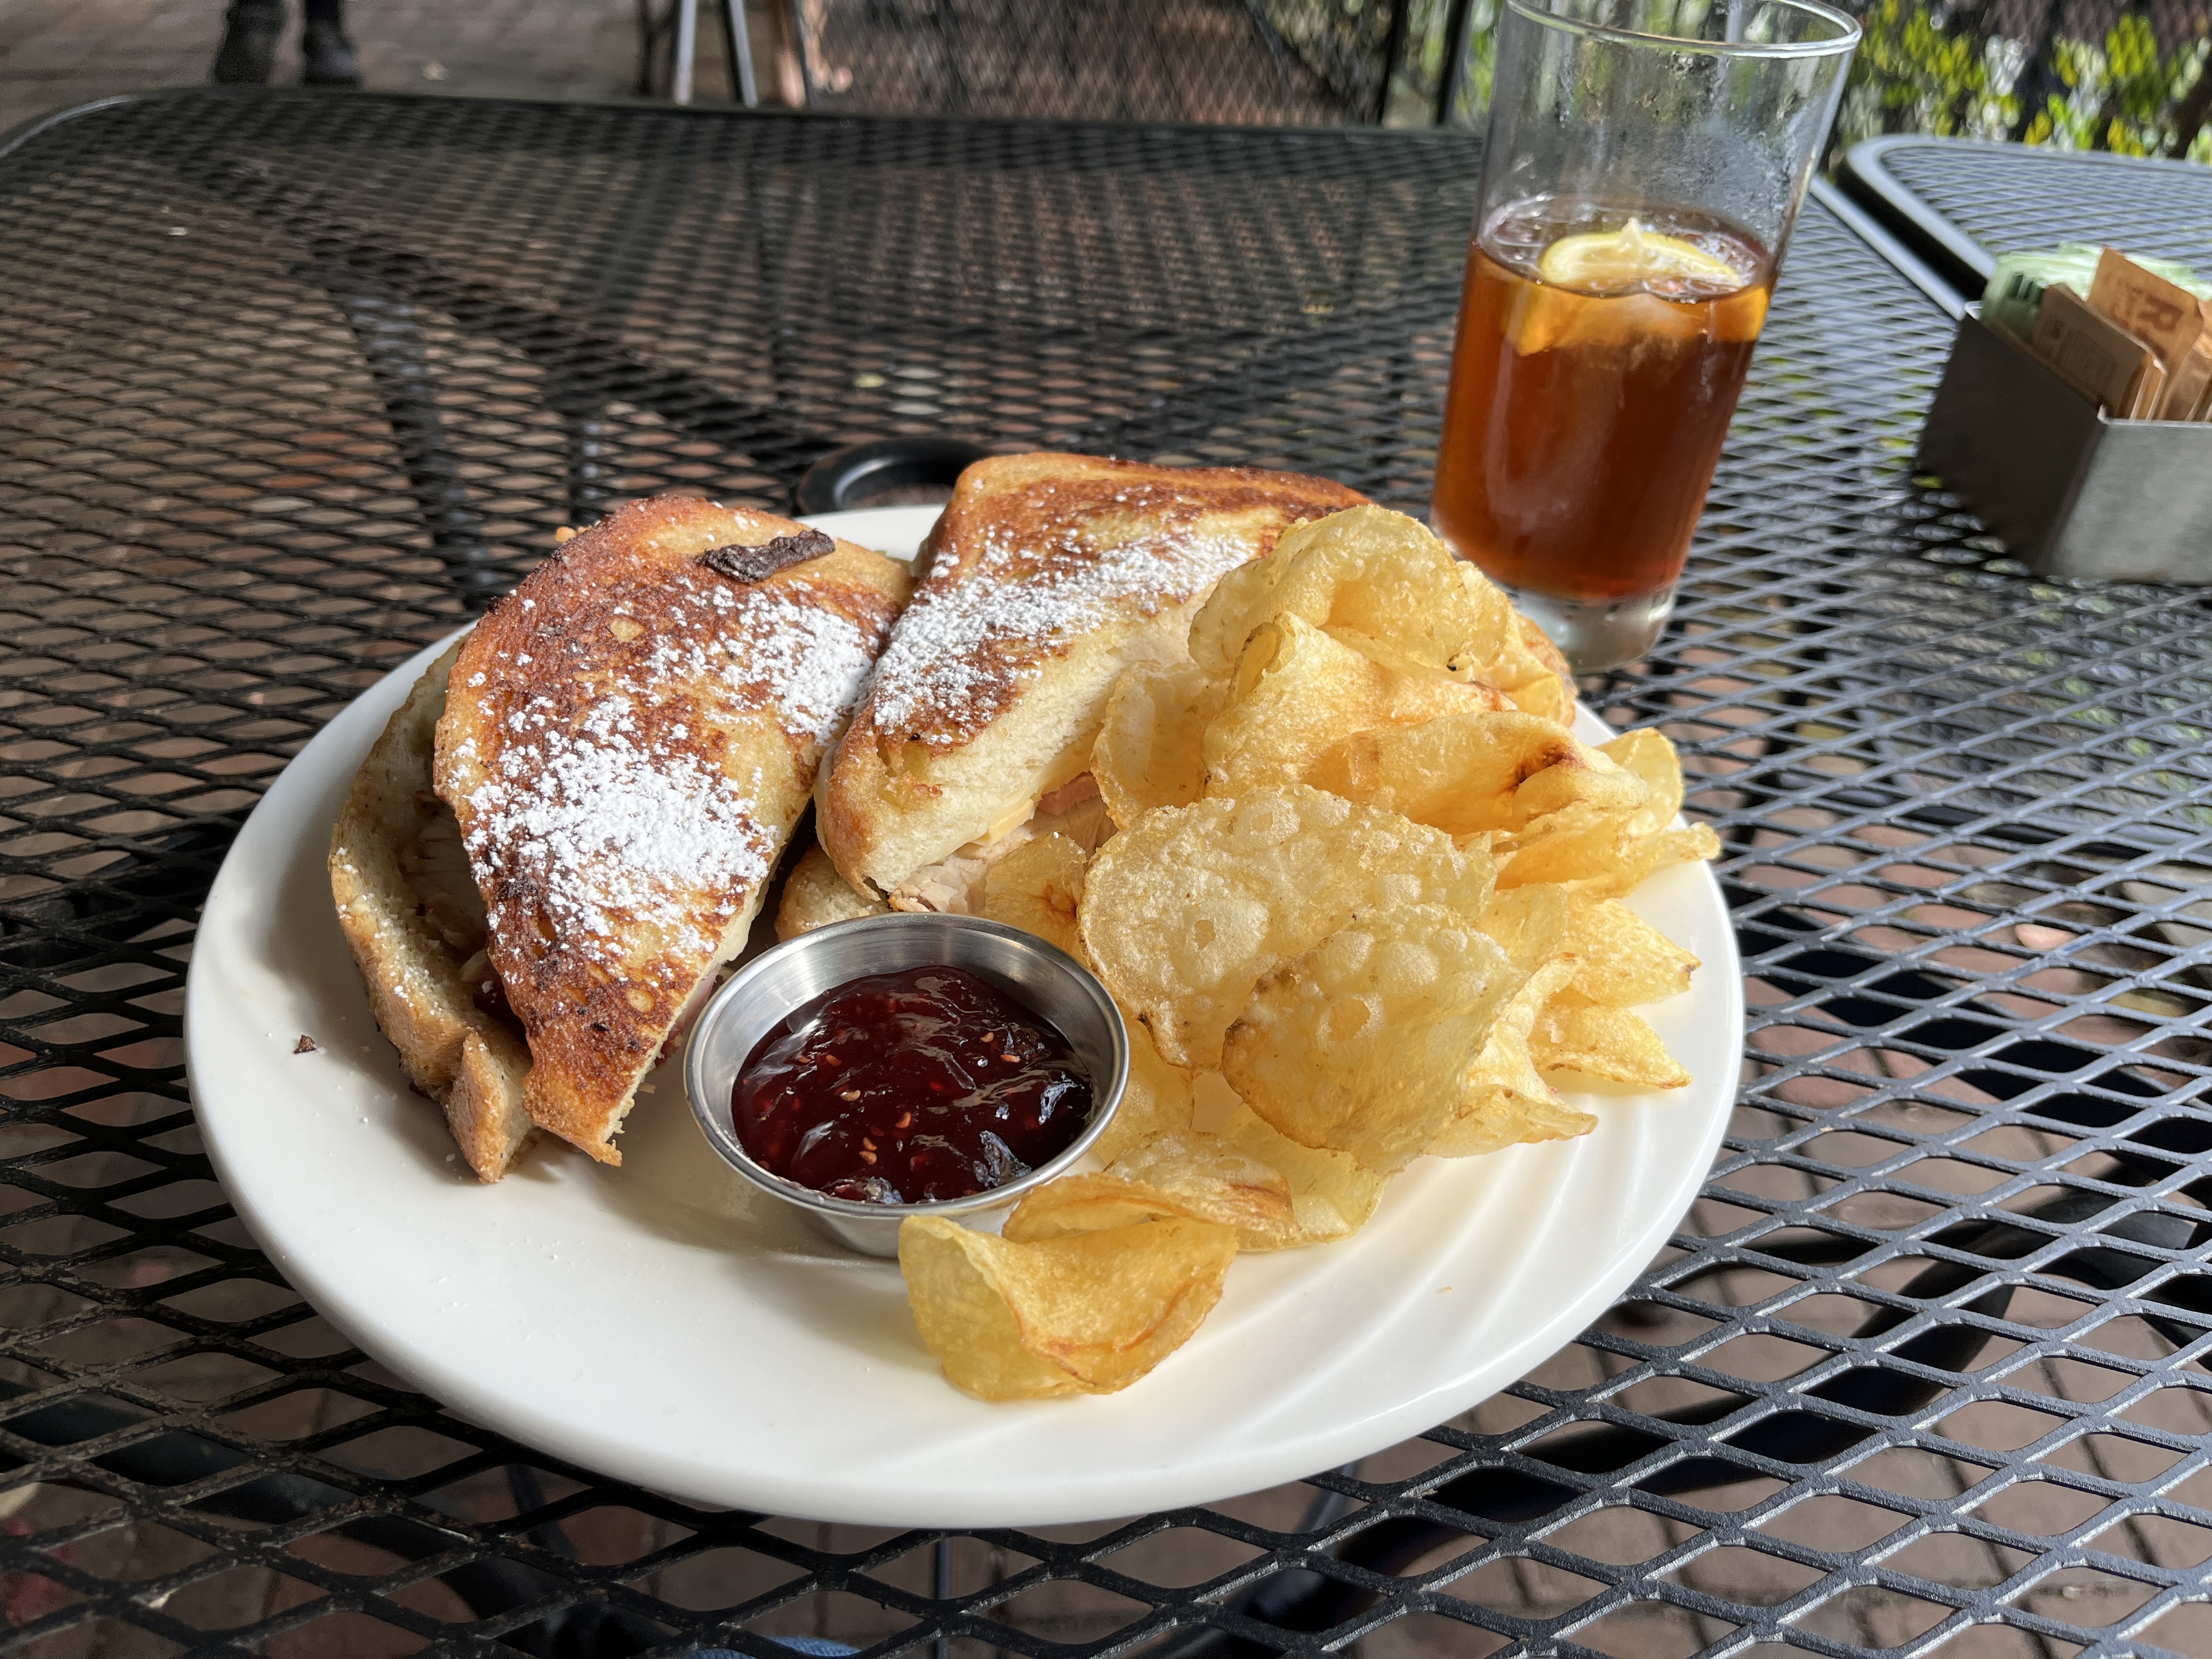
(1211, 61)
(2129, 75)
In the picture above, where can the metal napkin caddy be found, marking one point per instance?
(2075, 491)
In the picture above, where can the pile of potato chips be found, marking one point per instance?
(1365, 877)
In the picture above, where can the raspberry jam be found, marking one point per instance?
(910, 1088)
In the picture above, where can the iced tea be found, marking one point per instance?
(1601, 351)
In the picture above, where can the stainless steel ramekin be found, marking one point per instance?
(1045, 980)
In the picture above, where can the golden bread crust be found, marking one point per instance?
(1045, 577)
(414, 922)
(628, 741)
(816, 895)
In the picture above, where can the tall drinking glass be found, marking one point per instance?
(1645, 161)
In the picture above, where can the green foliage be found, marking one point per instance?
(1421, 71)
(1912, 73)
(2123, 96)
(1481, 57)
(1923, 68)
(1917, 72)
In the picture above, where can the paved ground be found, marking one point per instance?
(54, 53)
(1155, 61)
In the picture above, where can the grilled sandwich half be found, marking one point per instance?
(415, 923)
(1047, 575)
(628, 741)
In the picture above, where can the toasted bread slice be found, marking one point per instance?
(815, 896)
(414, 922)
(1047, 575)
(628, 738)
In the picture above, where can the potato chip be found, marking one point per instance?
(1361, 1044)
(1621, 960)
(1238, 603)
(1526, 666)
(1502, 644)
(1147, 754)
(1504, 1061)
(1463, 773)
(1183, 911)
(1494, 1119)
(1582, 776)
(1098, 1202)
(1087, 1314)
(1563, 848)
(1694, 845)
(1596, 853)
(1298, 691)
(1531, 644)
(815, 896)
(1502, 1089)
(1157, 1100)
(1607, 1042)
(1387, 653)
(1367, 569)
(1549, 697)
(1332, 1193)
(1200, 1177)
(1242, 1191)
(1037, 888)
(1529, 923)
(1647, 754)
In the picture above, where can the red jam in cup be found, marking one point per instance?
(912, 1087)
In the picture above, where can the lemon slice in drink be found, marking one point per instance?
(1631, 256)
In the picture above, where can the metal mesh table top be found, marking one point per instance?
(288, 383)
(1967, 201)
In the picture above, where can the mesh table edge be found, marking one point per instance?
(1947, 197)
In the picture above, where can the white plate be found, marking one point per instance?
(660, 1323)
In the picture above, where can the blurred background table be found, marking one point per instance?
(289, 385)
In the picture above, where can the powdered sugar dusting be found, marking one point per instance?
(809, 662)
(609, 824)
(816, 663)
(990, 611)
(605, 804)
